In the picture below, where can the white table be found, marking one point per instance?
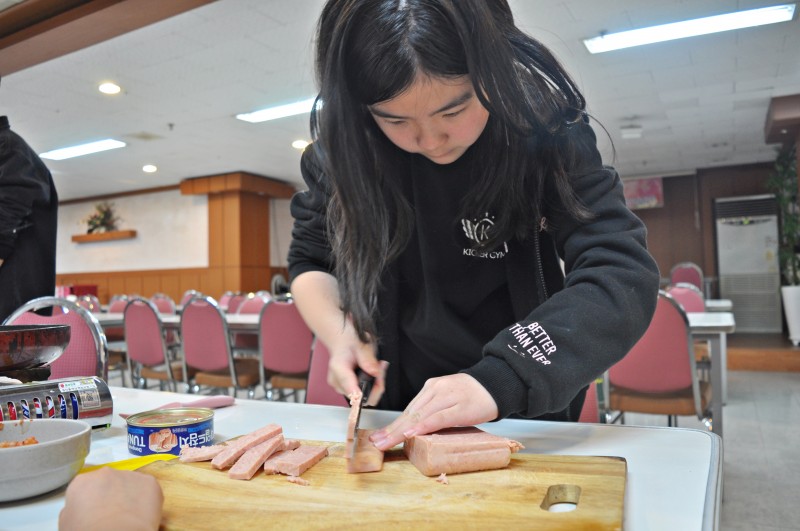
(719, 305)
(714, 327)
(246, 322)
(674, 474)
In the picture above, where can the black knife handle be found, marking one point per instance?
(365, 383)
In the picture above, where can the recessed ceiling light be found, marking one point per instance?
(149, 168)
(281, 111)
(82, 149)
(629, 132)
(109, 88)
(300, 144)
(690, 28)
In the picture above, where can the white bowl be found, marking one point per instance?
(34, 469)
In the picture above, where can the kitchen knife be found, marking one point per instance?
(365, 383)
(212, 402)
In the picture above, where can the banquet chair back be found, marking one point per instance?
(687, 272)
(244, 342)
(87, 352)
(147, 348)
(318, 391)
(164, 303)
(285, 346)
(188, 295)
(234, 302)
(89, 302)
(688, 296)
(207, 355)
(658, 376)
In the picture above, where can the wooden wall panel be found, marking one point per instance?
(173, 282)
(673, 234)
(684, 229)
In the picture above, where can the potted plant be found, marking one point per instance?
(103, 219)
(783, 183)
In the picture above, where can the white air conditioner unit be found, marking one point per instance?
(747, 261)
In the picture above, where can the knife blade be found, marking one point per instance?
(365, 383)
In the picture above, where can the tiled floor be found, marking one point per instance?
(761, 448)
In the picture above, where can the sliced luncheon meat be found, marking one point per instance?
(237, 447)
(297, 461)
(252, 459)
(288, 446)
(192, 454)
(456, 450)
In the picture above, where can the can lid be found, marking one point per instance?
(165, 418)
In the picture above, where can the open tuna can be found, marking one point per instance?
(166, 431)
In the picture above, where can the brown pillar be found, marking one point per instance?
(238, 228)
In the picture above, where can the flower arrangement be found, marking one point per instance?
(103, 219)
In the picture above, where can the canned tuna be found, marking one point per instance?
(162, 431)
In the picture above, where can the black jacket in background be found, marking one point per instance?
(28, 221)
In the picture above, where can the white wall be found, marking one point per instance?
(172, 233)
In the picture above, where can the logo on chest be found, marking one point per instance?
(479, 231)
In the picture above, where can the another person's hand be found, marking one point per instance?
(455, 400)
(112, 499)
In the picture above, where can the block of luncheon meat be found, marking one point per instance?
(457, 450)
(236, 447)
(366, 457)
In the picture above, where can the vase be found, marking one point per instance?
(791, 309)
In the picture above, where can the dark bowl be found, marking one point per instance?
(27, 346)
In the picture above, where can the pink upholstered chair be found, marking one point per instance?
(164, 303)
(248, 343)
(234, 302)
(285, 345)
(207, 355)
(115, 336)
(591, 410)
(90, 302)
(225, 298)
(188, 295)
(147, 348)
(687, 272)
(166, 306)
(688, 296)
(659, 376)
(691, 300)
(87, 352)
(318, 391)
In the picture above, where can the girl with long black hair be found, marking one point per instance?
(459, 224)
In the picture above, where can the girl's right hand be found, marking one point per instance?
(346, 358)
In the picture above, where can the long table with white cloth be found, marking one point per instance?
(674, 475)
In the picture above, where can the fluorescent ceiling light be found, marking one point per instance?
(82, 149)
(300, 144)
(630, 132)
(149, 168)
(281, 111)
(690, 28)
(109, 88)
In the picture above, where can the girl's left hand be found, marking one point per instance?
(454, 400)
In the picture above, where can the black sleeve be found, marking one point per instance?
(310, 249)
(608, 299)
(24, 182)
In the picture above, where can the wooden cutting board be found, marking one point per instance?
(199, 497)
